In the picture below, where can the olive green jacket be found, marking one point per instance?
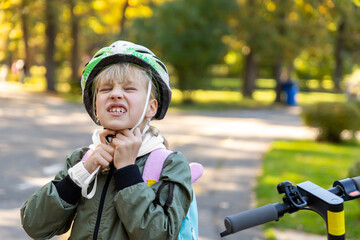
(133, 212)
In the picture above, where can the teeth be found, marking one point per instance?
(117, 110)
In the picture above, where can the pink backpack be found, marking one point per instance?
(151, 174)
(155, 163)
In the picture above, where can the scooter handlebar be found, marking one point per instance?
(348, 189)
(253, 217)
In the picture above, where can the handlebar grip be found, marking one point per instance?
(356, 181)
(251, 218)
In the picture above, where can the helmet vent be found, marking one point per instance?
(98, 55)
(162, 65)
(140, 51)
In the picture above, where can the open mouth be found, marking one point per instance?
(117, 109)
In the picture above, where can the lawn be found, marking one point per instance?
(299, 161)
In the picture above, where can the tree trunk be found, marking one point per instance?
(277, 77)
(339, 59)
(74, 60)
(24, 20)
(183, 85)
(250, 75)
(123, 20)
(50, 31)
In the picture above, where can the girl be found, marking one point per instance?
(124, 87)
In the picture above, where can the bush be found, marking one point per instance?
(332, 119)
(354, 171)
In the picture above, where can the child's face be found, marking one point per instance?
(120, 105)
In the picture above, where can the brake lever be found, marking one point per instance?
(292, 194)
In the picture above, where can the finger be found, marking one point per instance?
(103, 163)
(125, 132)
(137, 133)
(98, 158)
(124, 136)
(106, 148)
(106, 155)
(119, 141)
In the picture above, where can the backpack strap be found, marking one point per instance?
(154, 164)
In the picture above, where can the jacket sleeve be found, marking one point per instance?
(45, 213)
(146, 217)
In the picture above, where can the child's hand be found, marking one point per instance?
(102, 155)
(127, 145)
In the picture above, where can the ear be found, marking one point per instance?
(152, 108)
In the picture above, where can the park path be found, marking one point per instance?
(38, 130)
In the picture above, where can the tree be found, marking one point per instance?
(191, 41)
(50, 19)
(339, 49)
(295, 26)
(123, 19)
(25, 33)
(74, 57)
(249, 30)
(345, 14)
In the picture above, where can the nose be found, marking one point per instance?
(116, 93)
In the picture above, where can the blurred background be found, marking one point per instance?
(234, 45)
(222, 55)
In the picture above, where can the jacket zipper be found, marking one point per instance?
(101, 204)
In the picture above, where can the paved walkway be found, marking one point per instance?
(38, 130)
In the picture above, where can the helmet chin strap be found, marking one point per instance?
(145, 108)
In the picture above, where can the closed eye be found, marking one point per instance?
(130, 88)
(107, 89)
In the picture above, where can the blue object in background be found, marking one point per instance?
(291, 89)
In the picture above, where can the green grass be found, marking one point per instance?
(307, 98)
(234, 84)
(204, 100)
(299, 161)
(224, 93)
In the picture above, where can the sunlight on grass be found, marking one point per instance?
(225, 83)
(222, 96)
(266, 83)
(214, 100)
(306, 98)
(35, 84)
(207, 96)
(264, 95)
(316, 84)
(37, 81)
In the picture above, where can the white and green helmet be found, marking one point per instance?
(127, 52)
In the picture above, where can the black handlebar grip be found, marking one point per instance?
(251, 218)
(356, 181)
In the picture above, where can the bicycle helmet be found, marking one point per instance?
(121, 52)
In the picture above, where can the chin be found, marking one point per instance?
(114, 126)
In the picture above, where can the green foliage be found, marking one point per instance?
(299, 161)
(188, 34)
(354, 171)
(331, 119)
